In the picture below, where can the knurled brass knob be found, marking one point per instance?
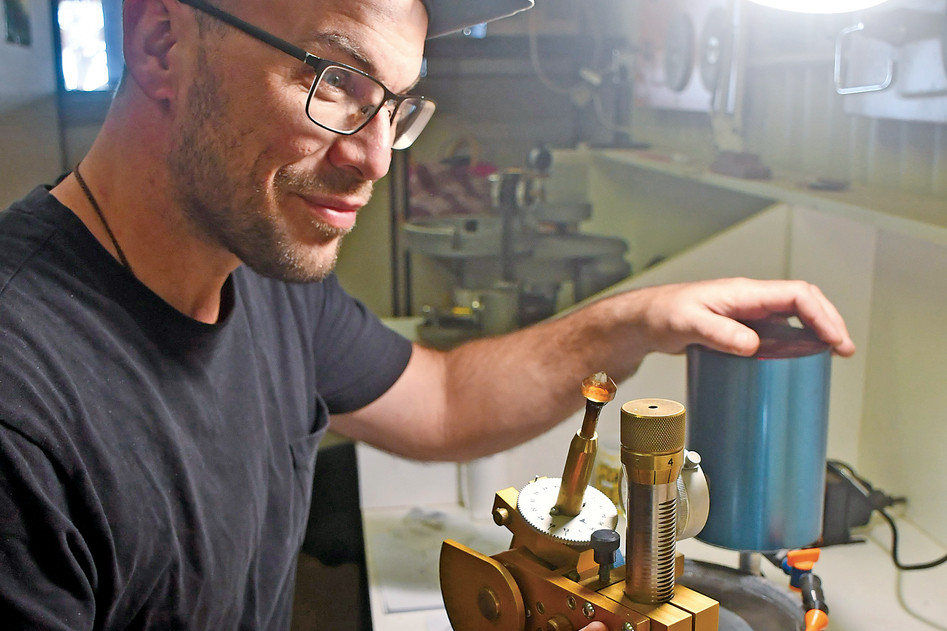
(560, 623)
(488, 603)
(652, 440)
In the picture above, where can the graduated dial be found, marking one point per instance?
(537, 499)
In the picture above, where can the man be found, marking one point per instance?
(166, 373)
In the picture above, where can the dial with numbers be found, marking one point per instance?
(537, 499)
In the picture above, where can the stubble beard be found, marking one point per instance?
(224, 210)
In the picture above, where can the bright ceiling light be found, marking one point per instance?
(819, 6)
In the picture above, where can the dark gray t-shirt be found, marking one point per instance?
(155, 471)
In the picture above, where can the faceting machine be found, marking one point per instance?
(564, 569)
(518, 263)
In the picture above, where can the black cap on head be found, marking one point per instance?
(448, 16)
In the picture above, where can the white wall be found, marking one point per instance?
(29, 131)
(905, 407)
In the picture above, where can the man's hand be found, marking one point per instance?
(595, 626)
(674, 316)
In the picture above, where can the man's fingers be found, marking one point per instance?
(805, 300)
(726, 335)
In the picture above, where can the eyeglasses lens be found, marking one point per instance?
(411, 118)
(343, 101)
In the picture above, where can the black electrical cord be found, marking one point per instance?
(894, 549)
(863, 488)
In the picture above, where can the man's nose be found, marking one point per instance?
(368, 151)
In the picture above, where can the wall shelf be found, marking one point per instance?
(910, 215)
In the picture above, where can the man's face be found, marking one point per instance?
(253, 174)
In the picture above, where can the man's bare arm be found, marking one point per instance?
(493, 393)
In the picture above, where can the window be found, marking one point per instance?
(90, 43)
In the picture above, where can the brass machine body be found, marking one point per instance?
(553, 578)
(652, 456)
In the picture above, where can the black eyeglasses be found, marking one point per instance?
(342, 99)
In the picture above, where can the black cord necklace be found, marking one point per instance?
(98, 211)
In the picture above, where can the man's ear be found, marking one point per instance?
(152, 30)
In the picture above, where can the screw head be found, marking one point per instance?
(588, 610)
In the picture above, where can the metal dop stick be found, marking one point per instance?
(598, 390)
(652, 455)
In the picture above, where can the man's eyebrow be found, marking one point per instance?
(342, 43)
(412, 86)
(345, 44)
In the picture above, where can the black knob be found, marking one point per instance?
(605, 542)
(539, 158)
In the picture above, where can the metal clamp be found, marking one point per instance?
(839, 87)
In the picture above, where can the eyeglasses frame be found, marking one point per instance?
(318, 64)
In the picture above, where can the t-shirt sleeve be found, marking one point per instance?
(47, 578)
(357, 357)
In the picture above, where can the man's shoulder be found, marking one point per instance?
(48, 315)
(38, 210)
(26, 228)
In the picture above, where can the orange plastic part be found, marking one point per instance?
(803, 559)
(816, 620)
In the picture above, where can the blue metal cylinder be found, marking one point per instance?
(760, 425)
